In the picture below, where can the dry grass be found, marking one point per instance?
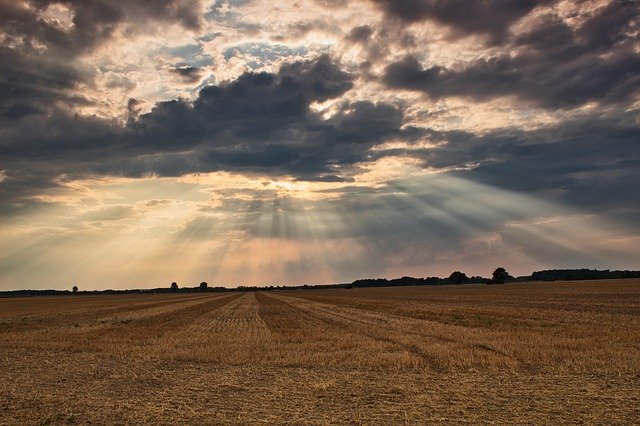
(525, 353)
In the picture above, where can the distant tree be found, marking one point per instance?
(458, 277)
(500, 276)
(203, 285)
(174, 286)
(75, 289)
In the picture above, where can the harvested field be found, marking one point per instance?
(518, 353)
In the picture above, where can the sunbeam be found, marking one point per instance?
(255, 232)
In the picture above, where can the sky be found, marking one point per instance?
(251, 142)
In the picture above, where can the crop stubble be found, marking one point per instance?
(521, 353)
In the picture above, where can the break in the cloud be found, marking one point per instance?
(265, 142)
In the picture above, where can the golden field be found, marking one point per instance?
(560, 352)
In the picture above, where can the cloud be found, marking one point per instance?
(255, 108)
(360, 34)
(304, 121)
(552, 65)
(260, 123)
(589, 162)
(608, 80)
(188, 74)
(263, 124)
(492, 18)
(30, 85)
(259, 54)
(111, 213)
(39, 66)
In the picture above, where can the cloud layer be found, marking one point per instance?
(349, 101)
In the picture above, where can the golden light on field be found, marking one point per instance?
(559, 352)
(297, 206)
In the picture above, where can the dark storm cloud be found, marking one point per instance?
(61, 135)
(591, 162)
(93, 21)
(315, 147)
(30, 85)
(612, 79)
(40, 81)
(255, 107)
(595, 169)
(263, 122)
(260, 122)
(492, 18)
(37, 58)
(552, 65)
(35, 152)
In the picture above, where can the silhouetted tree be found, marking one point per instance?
(174, 286)
(500, 275)
(75, 289)
(458, 277)
(203, 285)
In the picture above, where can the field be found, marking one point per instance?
(519, 353)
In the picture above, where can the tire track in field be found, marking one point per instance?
(340, 338)
(431, 341)
(291, 324)
(419, 325)
(304, 340)
(364, 323)
(150, 310)
(179, 315)
(92, 315)
(241, 315)
(153, 334)
(234, 333)
(412, 325)
(143, 333)
(283, 321)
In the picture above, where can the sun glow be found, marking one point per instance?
(232, 229)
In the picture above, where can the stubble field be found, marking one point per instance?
(519, 353)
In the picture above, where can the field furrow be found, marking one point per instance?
(485, 332)
(232, 334)
(305, 339)
(509, 354)
(414, 342)
(139, 331)
(74, 310)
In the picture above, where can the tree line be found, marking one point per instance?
(499, 276)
